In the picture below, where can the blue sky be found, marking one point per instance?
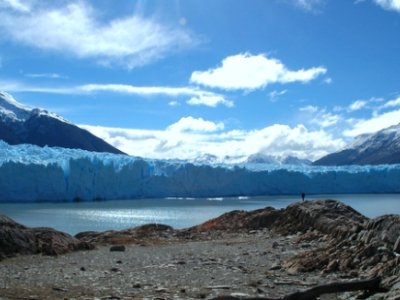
(184, 79)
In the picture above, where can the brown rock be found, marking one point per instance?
(325, 216)
(18, 239)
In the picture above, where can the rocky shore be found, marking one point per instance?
(313, 247)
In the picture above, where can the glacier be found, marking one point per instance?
(30, 173)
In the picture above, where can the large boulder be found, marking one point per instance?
(17, 239)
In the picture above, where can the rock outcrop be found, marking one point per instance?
(140, 234)
(327, 216)
(17, 239)
(355, 246)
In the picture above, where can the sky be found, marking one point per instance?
(173, 79)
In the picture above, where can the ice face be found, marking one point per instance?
(31, 173)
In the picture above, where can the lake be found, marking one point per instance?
(177, 212)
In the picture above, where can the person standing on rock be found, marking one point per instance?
(303, 195)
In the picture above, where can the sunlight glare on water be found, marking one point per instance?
(176, 212)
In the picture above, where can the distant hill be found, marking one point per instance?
(382, 147)
(21, 124)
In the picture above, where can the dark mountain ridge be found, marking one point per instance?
(20, 124)
(382, 147)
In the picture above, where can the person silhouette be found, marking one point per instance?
(303, 195)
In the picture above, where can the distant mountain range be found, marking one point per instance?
(260, 158)
(257, 158)
(21, 124)
(382, 147)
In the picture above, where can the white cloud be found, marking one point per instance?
(136, 90)
(211, 100)
(374, 124)
(46, 75)
(173, 103)
(357, 105)
(309, 109)
(197, 96)
(326, 119)
(250, 72)
(320, 116)
(76, 30)
(274, 95)
(389, 4)
(303, 75)
(196, 125)
(16, 5)
(392, 103)
(310, 5)
(194, 138)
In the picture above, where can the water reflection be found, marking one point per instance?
(177, 212)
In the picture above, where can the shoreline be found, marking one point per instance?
(266, 252)
(122, 214)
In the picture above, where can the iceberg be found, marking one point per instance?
(30, 173)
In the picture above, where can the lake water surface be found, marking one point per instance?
(177, 212)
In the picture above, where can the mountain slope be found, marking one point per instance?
(20, 124)
(382, 147)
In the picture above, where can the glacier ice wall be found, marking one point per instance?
(31, 173)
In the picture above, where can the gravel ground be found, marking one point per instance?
(235, 264)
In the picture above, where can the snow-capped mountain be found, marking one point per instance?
(382, 147)
(260, 158)
(253, 159)
(21, 124)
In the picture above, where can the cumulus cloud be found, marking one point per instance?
(211, 100)
(250, 72)
(383, 114)
(190, 138)
(389, 4)
(374, 124)
(196, 125)
(75, 29)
